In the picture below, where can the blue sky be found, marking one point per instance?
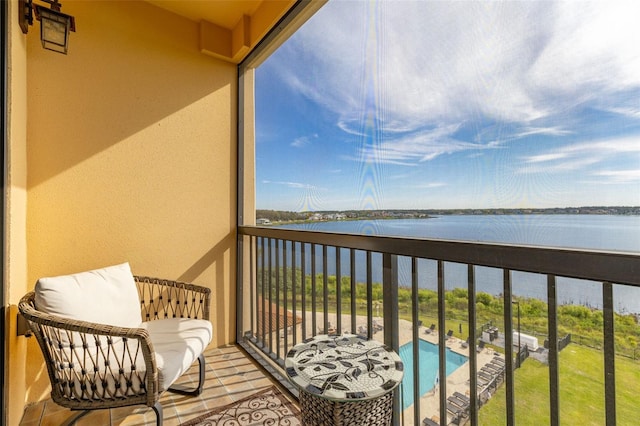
(433, 104)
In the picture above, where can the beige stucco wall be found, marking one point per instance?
(131, 150)
(15, 243)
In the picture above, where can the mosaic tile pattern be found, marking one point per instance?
(344, 367)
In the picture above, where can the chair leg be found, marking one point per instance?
(158, 409)
(73, 419)
(192, 392)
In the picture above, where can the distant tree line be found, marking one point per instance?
(281, 216)
(288, 216)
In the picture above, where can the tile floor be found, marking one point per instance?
(231, 374)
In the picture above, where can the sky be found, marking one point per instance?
(452, 104)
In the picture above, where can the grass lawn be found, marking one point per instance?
(581, 391)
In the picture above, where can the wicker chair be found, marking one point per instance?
(95, 366)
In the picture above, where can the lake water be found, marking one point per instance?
(600, 232)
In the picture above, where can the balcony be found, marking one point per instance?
(273, 315)
(288, 294)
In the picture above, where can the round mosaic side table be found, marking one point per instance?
(344, 380)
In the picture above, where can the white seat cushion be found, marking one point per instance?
(177, 343)
(104, 296)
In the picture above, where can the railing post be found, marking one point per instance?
(390, 312)
(609, 354)
(473, 338)
(442, 346)
(508, 346)
(554, 372)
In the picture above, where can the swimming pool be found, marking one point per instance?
(428, 368)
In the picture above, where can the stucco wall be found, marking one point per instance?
(15, 268)
(131, 156)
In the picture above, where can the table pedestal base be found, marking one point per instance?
(317, 411)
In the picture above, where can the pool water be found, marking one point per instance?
(428, 368)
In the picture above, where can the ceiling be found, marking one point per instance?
(229, 29)
(224, 13)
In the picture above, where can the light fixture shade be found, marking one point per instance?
(54, 29)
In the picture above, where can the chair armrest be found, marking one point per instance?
(161, 299)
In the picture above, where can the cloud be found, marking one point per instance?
(580, 155)
(431, 185)
(402, 65)
(303, 141)
(550, 131)
(620, 176)
(626, 111)
(294, 185)
(413, 148)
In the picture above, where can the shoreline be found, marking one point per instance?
(391, 214)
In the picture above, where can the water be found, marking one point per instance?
(428, 368)
(600, 232)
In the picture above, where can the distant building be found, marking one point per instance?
(263, 221)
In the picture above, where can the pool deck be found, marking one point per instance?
(458, 381)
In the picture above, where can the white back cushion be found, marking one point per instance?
(105, 296)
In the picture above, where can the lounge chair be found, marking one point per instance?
(480, 346)
(497, 365)
(493, 368)
(465, 344)
(449, 334)
(485, 375)
(458, 402)
(428, 422)
(482, 382)
(462, 397)
(498, 360)
(430, 329)
(111, 339)
(454, 409)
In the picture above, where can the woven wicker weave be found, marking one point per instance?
(106, 366)
(318, 411)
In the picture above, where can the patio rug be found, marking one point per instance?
(267, 407)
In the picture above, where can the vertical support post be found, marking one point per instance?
(390, 312)
(442, 347)
(325, 290)
(278, 329)
(240, 290)
(240, 160)
(314, 324)
(354, 307)
(270, 295)
(415, 302)
(519, 358)
(285, 307)
(252, 294)
(554, 380)
(338, 291)
(303, 288)
(369, 298)
(609, 354)
(473, 358)
(263, 289)
(294, 285)
(508, 346)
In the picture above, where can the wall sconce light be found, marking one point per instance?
(54, 25)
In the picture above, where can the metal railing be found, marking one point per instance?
(293, 284)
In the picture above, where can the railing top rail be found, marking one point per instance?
(595, 265)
